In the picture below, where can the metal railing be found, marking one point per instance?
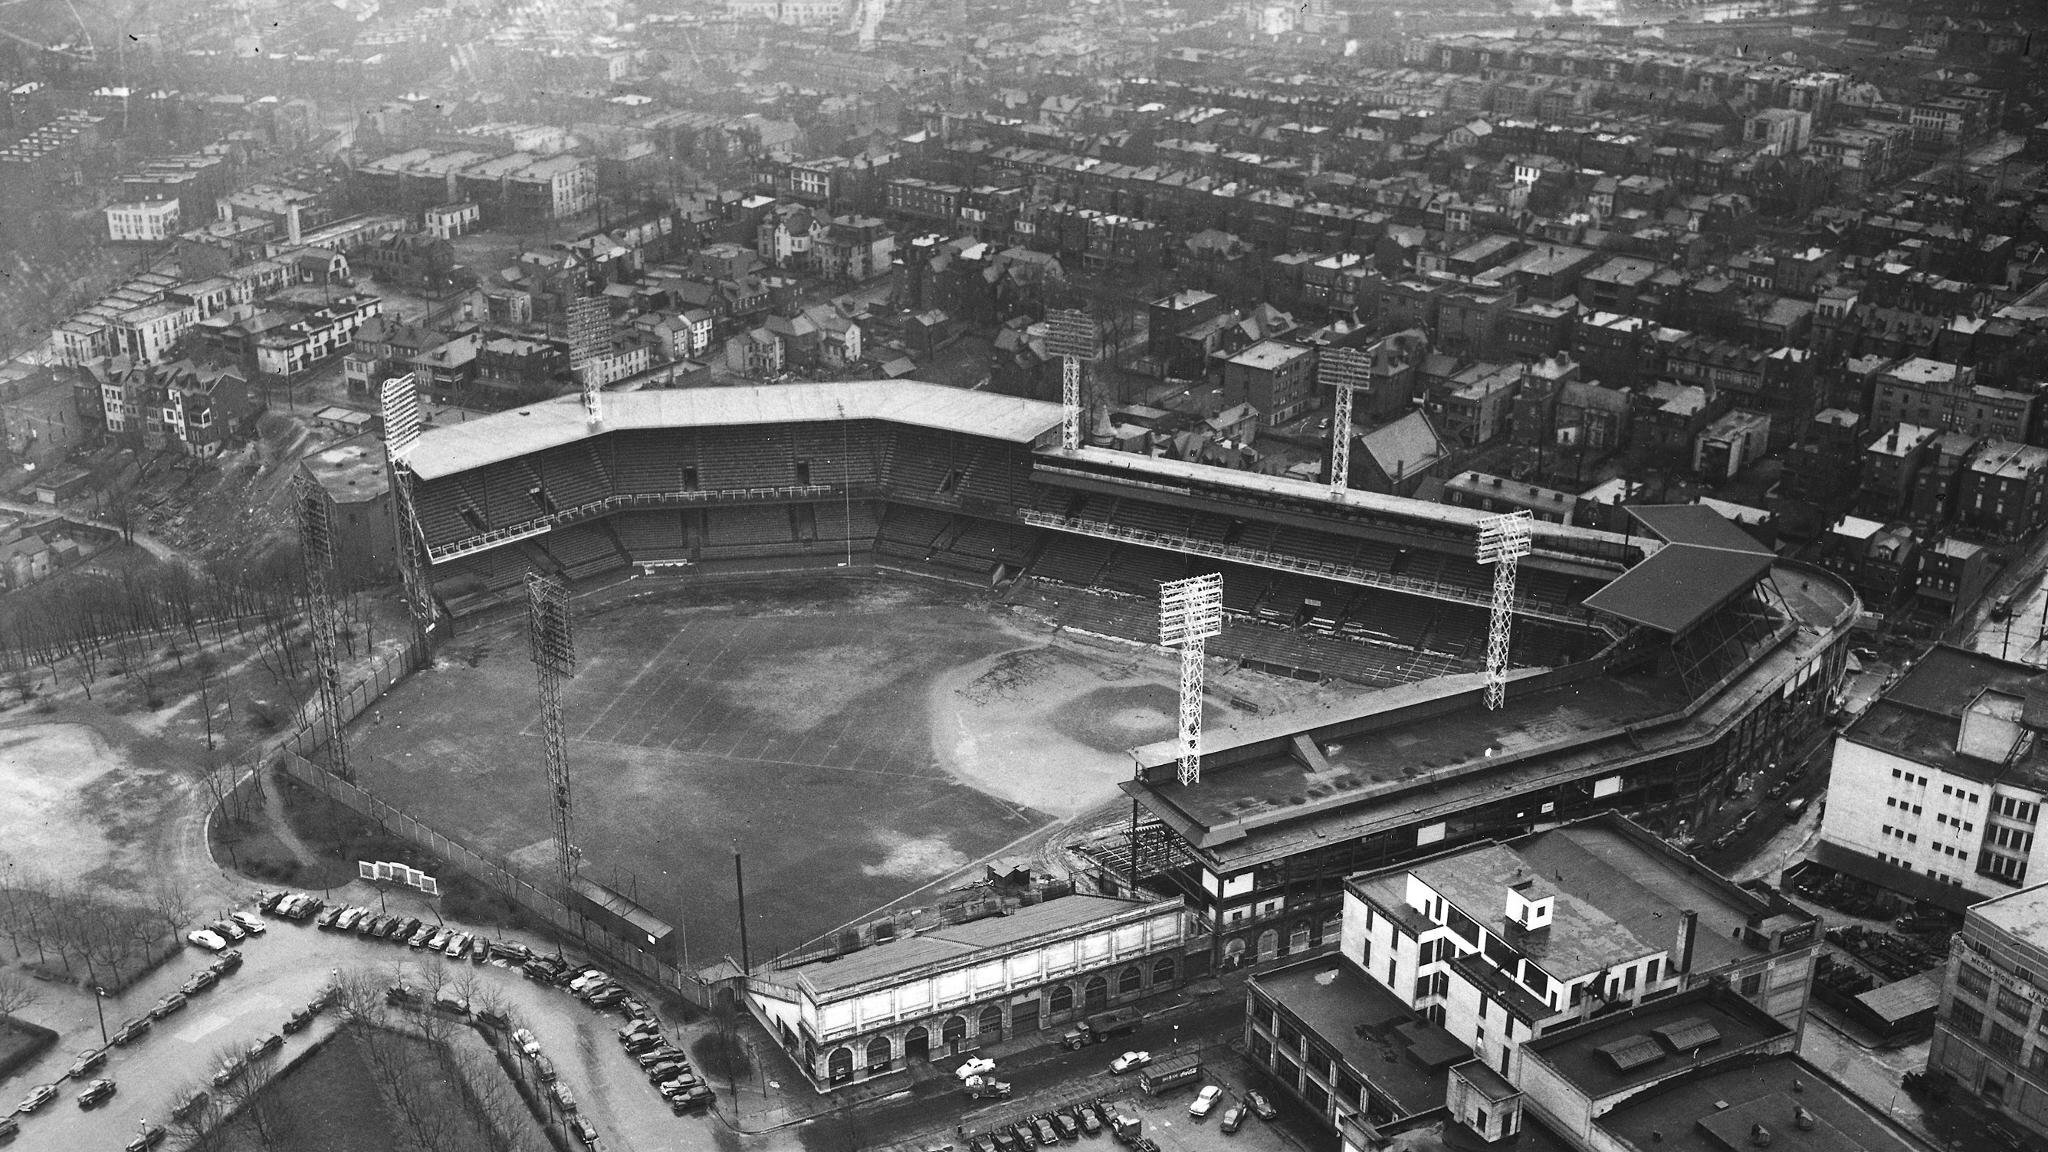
(540, 525)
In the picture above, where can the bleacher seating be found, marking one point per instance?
(583, 550)
(658, 535)
(1324, 546)
(1149, 517)
(910, 533)
(744, 457)
(1141, 570)
(645, 463)
(1076, 560)
(748, 524)
(571, 476)
(853, 520)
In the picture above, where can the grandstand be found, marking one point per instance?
(972, 486)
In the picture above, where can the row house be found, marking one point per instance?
(317, 335)
(1944, 395)
(179, 406)
(2004, 489)
(1891, 470)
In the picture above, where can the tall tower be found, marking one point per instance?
(1503, 541)
(399, 398)
(554, 659)
(1070, 335)
(1190, 611)
(1342, 370)
(316, 554)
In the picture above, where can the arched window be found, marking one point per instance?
(1062, 998)
(954, 1030)
(1162, 971)
(1269, 945)
(991, 1022)
(879, 1053)
(917, 1043)
(839, 1065)
(1095, 993)
(1130, 981)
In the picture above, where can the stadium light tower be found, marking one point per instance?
(399, 397)
(1070, 335)
(1343, 371)
(316, 553)
(1503, 541)
(1190, 611)
(554, 658)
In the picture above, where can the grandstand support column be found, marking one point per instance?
(1190, 611)
(1503, 541)
(316, 553)
(1343, 371)
(553, 649)
(399, 399)
(1070, 335)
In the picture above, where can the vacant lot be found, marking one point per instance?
(857, 739)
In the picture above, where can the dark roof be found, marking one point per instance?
(1694, 524)
(1718, 1108)
(1585, 1055)
(1680, 586)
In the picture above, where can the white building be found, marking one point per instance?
(959, 986)
(1936, 791)
(142, 221)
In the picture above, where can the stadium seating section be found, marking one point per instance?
(745, 499)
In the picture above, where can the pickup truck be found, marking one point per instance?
(1102, 1027)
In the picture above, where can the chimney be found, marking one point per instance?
(1681, 953)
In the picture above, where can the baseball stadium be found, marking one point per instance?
(821, 574)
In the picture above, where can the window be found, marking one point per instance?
(1650, 973)
(2003, 1041)
(2014, 1005)
(1752, 983)
(1973, 980)
(1966, 1018)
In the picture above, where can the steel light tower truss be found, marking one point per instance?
(316, 554)
(1503, 541)
(399, 398)
(1070, 335)
(1190, 611)
(553, 649)
(1343, 371)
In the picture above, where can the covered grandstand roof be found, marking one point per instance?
(505, 435)
(1705, 563)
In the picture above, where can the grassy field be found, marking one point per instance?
(858, 739)
(331, 1102)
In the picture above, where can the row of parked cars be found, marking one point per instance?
(1068, 1122)
(98, 1091)
(667, 1068)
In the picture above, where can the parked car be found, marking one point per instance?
(228, 1070)
(404, 929)
(439, 939)
(199, 981)
(227, 930)
(584, 1130)
(1233, 1118)
(1091, 1120)
(510, 950)
(131, 1030)
(544, 1068)
(1260, 1106)
(172, 1002)
(1128, 1061)
(328, 917)
(202, 938)
(150, 1136)
(96, 1093)
(190, 1104)
(526, 1042)
(228, 962)
(456, 946)
(88, 1059)
(249, 923)
(1027, 1136)
(1069, 1126)
(667, 1070)
(267, 902)
(421, 935)
(563, 1096)
(1205, 1100)
(696, 1097)
(37, 1096)
(297, 1021)
(1046, 1133)
(266, 1046)
(636, 1030)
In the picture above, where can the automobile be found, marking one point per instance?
(680, 1082)
(1005, 1140)
(37, 1096)
(202, 938)
(1069, 1126)
(1260, 1106)
(690, 1101)
(584, 1130)
(328, 917)
(228, 1070)
(537, 970)
(227, 930)
(606, 997)
(266, 1046)
(172, 1002)
(228, 962)
(9, 1129)
(1027, 1136)
(654, 1057)
(1145, 1144)
(404, 929)
(150, 1136)
(131, 1030)
(491, 1017)
(439, 939)
(349, 918)
(1128, 1061)
(267, 902)
(1205, 1100)
(510, 950)
(401, 994)
(588, 977)
(644, 1041)
(88, 1059)
(526, 1042)
(420, 936)
(190, 1104)
(297, 1021)
(544, 1068)
(1046, 1133)
(563, 1096)
(479, 950)
(307, 906)
(198, 982)
(457, 946)
(637, 1009)
(371, 924)
(666, 1070)
(1233, 1118)
(636, 1030)
(1091, 1120)
(980, 1143)
(978, 1066)
(96, 1093)
(249, 923)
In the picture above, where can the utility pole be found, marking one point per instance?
(739, 879)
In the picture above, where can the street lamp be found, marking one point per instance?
(99, 994)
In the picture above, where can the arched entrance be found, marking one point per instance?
(1162, 971)
(1095, 994)
(990, 1025)
(880, 1052)
(917, 1044)
(1233, 952)
(1269, 945)
(1130, 981)
(952, 1032)
(1062, 998)
(839, 1065)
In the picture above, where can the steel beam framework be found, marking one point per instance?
(553, 649)
(316, 554)
(1190, 611)
(1503, 541)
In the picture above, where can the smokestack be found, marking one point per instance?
(1681, 954)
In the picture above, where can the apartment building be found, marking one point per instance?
(143, 221)
(1991, 1032)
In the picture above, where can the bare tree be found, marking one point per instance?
(17, 992)
(199, 1130)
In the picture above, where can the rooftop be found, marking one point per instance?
(1920, 717)
(1612, 1055)
(350, 471)
(1267, 355)
(1375, 1034)
(1717, 1110)
(2022, 915)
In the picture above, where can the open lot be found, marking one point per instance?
(859, 739)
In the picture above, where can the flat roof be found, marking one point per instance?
(1580, 1053)
(1920, 717)
(1680, 586)
(1695, 524)
(1363, 1022)
(352, 470)
(959, 942)
(2022, 915)
(1582, 939)
(1717, 1109)
(505, 435)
